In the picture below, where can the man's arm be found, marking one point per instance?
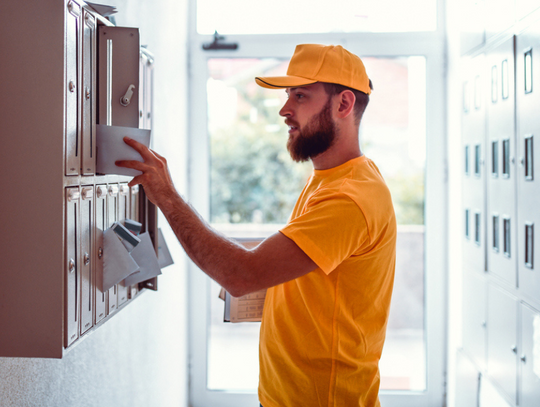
(239, 270)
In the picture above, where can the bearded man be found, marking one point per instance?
(329, 272)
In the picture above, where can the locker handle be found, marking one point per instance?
(514, 349)
(126, 99)
(71, 265)
(113, 190)
(87, 193)
(523, 358)
(86, 259)
(73, 195)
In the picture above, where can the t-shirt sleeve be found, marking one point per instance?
(330, 230)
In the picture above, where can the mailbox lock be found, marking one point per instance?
(86, 259)
(71, 86)
(100, 252)
(87, 93)
(71, 265)
(126, 99)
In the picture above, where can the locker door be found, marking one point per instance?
(118, 72)
(112, 216)
(100, 227)
(467, 382)
(501, 163)
(473, 135)
(530, 357)
(474, 316)
(86, 265)
(145, 94)
(72, 135)
(72, 197)
(88, 114)
(502, 340)
(528, 128)
(123, 213)
(134, 213)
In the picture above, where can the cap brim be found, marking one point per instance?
(278, 82)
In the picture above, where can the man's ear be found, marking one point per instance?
(346, 100)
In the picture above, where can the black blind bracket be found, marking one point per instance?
(217, 44)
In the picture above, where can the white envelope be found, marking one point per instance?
(117, 262)
(111, 148)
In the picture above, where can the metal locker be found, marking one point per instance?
(112, 216)
(100, 227)
(87, 264)
(88, 91)
(134, 213)
(474, 316)
(530, 357)
(473, 134)
(118, 72)
(467, 382)
(72, 134)
(72, 198)
(123, 213)
(501, 162)
(528, 133)
(502, 342)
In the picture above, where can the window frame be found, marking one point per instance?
(432, 46)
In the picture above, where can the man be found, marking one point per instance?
(329, 271)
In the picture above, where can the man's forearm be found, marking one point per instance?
(221, 258)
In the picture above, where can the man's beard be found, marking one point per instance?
(315, 138)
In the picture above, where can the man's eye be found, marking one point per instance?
(299, 96)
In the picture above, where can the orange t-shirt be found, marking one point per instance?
(322, 334)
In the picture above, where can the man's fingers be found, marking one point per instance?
(135, 181)
(145, 153)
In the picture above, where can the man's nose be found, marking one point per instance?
(286, 110)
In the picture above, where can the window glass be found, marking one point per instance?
(306, 16)
(255, 184)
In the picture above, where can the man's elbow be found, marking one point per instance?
(239, 290)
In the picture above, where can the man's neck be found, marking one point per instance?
(331, 158)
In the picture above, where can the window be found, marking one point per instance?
(506, 158)
(238, 117)
(477, 159)
(467, 222)
(477, 227)
(495, 159)
(315, 16)
(495, 222)
(506, 236)
(529, 245)
(528, 71)
(505, 83)
(528, 164)
(466, 160)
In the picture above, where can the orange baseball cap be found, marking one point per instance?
(321, 63)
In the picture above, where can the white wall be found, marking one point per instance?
(139, 357)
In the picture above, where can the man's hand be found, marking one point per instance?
(155, 177)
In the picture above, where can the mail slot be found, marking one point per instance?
(112, 216)
(87, 96)
(99, 228)
(72, 137)
(71, 272)
(87, 264)
(123, 213)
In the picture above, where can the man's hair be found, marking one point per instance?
(362, 99)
